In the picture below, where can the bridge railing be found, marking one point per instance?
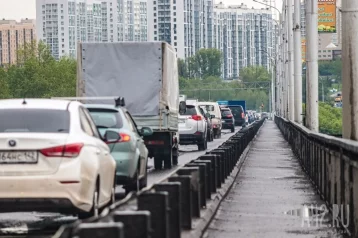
(170, 206)
(332, 165)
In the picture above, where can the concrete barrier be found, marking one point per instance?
(181, 205)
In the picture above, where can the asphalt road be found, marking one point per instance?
(19, 224)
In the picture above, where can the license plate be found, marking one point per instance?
(181, 121)
(18, 157)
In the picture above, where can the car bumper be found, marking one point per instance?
(43, 193)
(239, 122)
(228, 125)
(188, 139)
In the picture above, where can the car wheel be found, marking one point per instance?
(113, 194)
(143, 181)
(94, 212)
(158, 162)
(175, 157)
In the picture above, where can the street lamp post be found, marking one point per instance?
(297, 62)
(312, 65)
(291, 92)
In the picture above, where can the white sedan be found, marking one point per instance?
(53, 159)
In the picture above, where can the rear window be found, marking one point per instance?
(225, 112)
(190, 110)
(34, 121)
(106, 118)
(236, 111)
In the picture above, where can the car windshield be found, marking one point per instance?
(106, 118)
(190, 110)
(34, 121)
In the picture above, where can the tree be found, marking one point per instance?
(37, 74)
(254, 74)
(207, 62)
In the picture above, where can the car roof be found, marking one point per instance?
(207, 103)
(34, 103)
(101, 106)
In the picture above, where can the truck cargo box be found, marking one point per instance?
(144, 73)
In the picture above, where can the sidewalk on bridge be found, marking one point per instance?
(269, 195)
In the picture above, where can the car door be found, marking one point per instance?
(143, 151)
(106, 162)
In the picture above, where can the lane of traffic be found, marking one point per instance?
(22, 222)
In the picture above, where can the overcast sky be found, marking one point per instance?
(17, 9)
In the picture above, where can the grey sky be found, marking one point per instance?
(17, 9)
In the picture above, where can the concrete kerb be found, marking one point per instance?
(201, 224)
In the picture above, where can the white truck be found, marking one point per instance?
(146, 75)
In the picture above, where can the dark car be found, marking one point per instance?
(228, 119)
(239, 115)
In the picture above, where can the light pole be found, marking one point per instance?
(297, 61)
(312, 65)
(273, 91)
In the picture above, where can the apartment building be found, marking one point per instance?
(246, 36)
(185, 24)
(63, 23)
(13, 35)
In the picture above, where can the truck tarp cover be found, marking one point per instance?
(129, 70)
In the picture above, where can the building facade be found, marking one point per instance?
(185, 24)
(13, 35)
(61, 24)
(246, 37)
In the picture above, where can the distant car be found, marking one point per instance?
(239, 115)
(264, 115)
(228, 119)
(52, 158)
(193, 128)
(214, 109)
(130, 151)
(209, 123)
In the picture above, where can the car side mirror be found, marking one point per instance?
(111, 136)
(146, 131)
(212, 116)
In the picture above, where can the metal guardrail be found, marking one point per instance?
(168, 207)
(332, 165)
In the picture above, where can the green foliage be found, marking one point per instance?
(205, 63)
(330, 119)
(38, 75)
(212, 88)
(254, 74)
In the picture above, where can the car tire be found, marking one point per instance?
(113, 194)
(204, 145)
(94, 212)
(158, 162)
(168, 159)
(143, 182)
(175, 157)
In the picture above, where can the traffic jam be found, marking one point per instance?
(69, 155)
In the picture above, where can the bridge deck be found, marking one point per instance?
(268, 197)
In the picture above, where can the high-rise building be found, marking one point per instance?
(185, 24)
(13, 35)
(246, 36)
(63, 23)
